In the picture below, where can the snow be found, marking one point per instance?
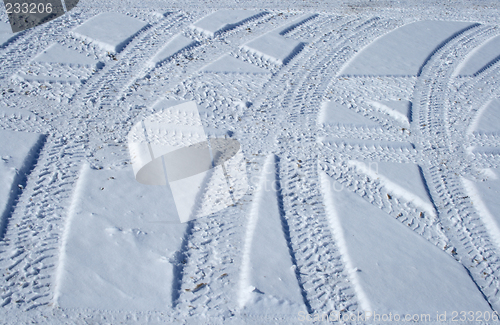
(60, 54)
(178, 43)
(399, 110)
(375, 144)
(17, 153)
(393, 268)
(230, 64)
(484, 197)
(294, 24)
(171, 147)
(333, 113)
(404, 51)
(15, 113)
(223, 20)
(487, 119)
(268, 282)
(480, 58)
(110, 31)
(403, 180)
(117, 256)
(5, 33)
(250, 165)
(274, 47)
(45, 78)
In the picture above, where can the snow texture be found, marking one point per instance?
(403, 180)
(403, 51)
(268, 283)
(223, 20)
(230, 64)
(393, 268)
(117, 256)
(63, 55)
(484, 196)
(399, 110)
(5, 33)
(178, 43)
(17, 153)
(487, 119)
(480, 58)
(333, 113)
(110, 31)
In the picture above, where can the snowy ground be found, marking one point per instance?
(359, 170)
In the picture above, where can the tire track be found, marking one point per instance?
(209, 236)
(102, 84)
(465, 231)
(34, 41)
(323, 279)
(31, 242)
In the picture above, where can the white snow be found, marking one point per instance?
(484, 196)
(487, 119)
(195, 191)
(403, 180)
(61, 54)
(5, 33)
(333, 113)
(268, 282)
(282, 30)
(402, 52)
(16, 113)
(366, 144)
(17, 152)
(171, 147)
(46, 78)
(178, 43)
(223, 20)
(480, 58)
(276, 47)
(110, 31)
(230, 64)
(393, 268)
(273, 47)
(399, 110)
(118, 256)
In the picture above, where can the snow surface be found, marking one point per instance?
(116, 256)
(17, 153)
(5, 33)
(268, 281)
(273, 47)
(177, 44)
(484, 196)
(223, 20)
(480, 58)
(229, 64)
(401, 179)
(400, 110)
(110, 31)
(487, 119)
(336, 114)
(60, 54)
(276, 48)
(394, 269)
(403, 52)
(186, 162)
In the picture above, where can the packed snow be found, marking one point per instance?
(266, 163)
